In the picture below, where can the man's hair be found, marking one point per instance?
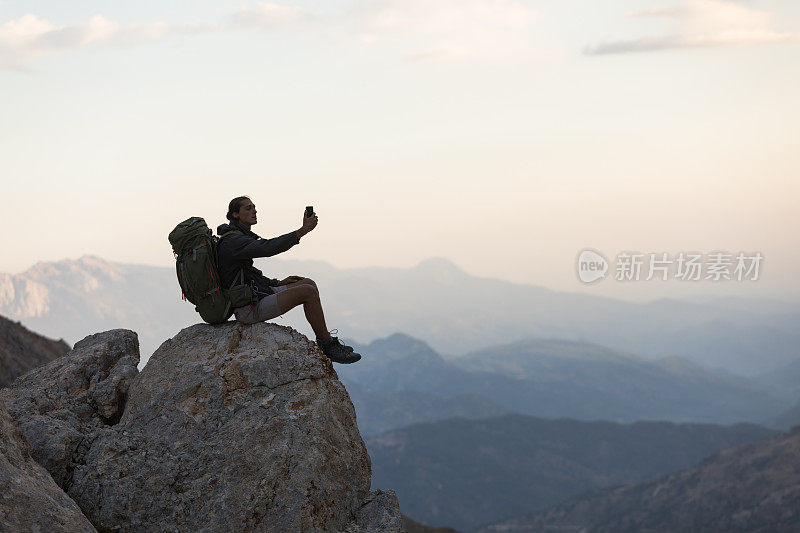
(234, 206)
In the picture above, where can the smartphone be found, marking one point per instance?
(309, 210)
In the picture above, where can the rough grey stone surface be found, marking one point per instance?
(58, 405)
(227, 428)
(380, 512)
(230, 427)
(29, 498)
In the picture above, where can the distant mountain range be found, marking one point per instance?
(549, 378)
(625, 386)
(403, 380)
(22, 349)
(465, 473)
(754, 487)
(455, 312)
(73, 299)
(379, 412)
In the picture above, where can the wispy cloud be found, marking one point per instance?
(448, 30)
(494, 31)
(703, 23)
(30, 36)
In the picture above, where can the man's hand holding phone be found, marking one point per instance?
(310, 220)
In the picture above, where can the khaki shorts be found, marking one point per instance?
(265, 309)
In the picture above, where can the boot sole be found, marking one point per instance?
(345, 361)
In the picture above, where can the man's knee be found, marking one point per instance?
(309, 291)
(309, 281)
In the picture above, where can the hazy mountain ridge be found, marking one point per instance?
(663, 388)
(754, 487)
(74, 298)
(590, 382)
(70, 299)
(379, 412)
(435, 300)
(464, 473)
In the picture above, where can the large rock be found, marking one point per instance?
(29, 498)
(227, 428)
(59, 405)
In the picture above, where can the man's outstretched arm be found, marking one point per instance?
(251, 248)
(269, 247)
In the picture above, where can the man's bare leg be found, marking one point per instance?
(305, 292)
(314, 314)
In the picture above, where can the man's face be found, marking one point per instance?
(247, 213)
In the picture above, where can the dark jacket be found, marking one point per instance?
(236, 252)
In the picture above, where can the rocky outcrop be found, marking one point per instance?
(60, 405)
(230, 427)
(22, 349)
(29, 498)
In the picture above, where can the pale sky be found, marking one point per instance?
(503, 135)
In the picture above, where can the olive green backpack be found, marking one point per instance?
(195, 251)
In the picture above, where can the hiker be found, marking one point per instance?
(239, 245)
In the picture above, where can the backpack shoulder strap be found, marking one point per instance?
(231, 232)
(239, 279)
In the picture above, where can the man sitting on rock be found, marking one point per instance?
(236, 253)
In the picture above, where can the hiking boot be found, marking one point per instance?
(338, 352)
(346, 347)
